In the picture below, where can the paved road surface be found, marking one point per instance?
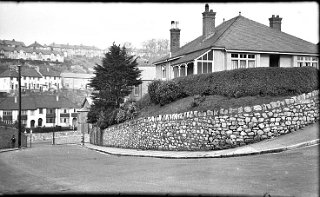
(72, 168)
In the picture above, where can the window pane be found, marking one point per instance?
(242, 63)
(210, 55)
(315, 65)
(205, 67)
(199, 68)
(209, 67)
(205, 57)
(136, 90)
(234, 55)
(251, 56)
(314, 58)
(307, 58)
(234, 64)
(243, 56)
(300, 64)
(251, 64)
(307, 63)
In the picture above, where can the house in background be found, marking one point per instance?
(76, 81)
(33, 78)
(236, 43)
(148, 74)
(39, 111)
(17, 50)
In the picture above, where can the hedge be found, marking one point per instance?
(49, 129)
(264, 81)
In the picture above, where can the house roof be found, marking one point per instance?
(35, 44)
(46, 71)
(13, 42)
(34, 102)
(241, 33)
(25, 72)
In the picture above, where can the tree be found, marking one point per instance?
(113, 81)
(154, 49)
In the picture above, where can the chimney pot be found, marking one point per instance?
(206, 8)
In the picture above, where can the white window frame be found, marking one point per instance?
(239, 57)
(307, 61)
(201, 61)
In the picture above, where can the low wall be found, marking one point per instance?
(211, 130)
(60, 137)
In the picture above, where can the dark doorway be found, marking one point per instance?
(40, 122)
(274, 60)
(32, 123)
(190, 69)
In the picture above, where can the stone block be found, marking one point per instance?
(261, 125)
(260, 132)
(247, 109)
(257, 108)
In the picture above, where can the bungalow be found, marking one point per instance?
(236, 43)
(39, 111)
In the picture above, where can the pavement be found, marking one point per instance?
(306, 136)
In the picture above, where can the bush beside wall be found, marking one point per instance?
(213, 130)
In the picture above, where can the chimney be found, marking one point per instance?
(174, 37)
(275, 22)
(208, 22)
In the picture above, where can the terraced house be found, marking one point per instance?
(17, 50)
(236, 43)
(32, 78)
(39, 111)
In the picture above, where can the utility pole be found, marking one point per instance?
(19, 116)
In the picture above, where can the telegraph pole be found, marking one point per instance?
(19, 116)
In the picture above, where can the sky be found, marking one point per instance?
(101, 24)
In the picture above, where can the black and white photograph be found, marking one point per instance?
(159, 98)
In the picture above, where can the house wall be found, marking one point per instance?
(213, 130)
(286, 61)
(158, 72)
(264, 60)
(5, 84)
(219, 61)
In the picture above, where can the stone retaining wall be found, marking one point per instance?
(217, 129)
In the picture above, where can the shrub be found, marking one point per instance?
(143, 102)
(152, 88)
(168, 92)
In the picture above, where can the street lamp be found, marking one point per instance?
(19, 116)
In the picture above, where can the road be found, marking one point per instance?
(72, 168)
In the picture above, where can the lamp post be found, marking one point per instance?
(19, 116)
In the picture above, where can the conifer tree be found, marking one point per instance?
(113, 81)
